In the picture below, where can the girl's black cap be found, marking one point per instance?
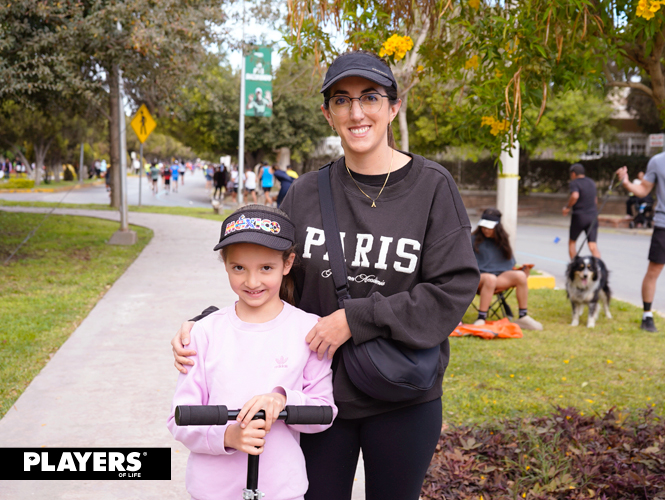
(258, 226)
(359, 64)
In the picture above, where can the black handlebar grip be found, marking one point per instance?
(201, 415)
(299, 415)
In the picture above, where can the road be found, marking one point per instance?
(192, 194)
(624, 251)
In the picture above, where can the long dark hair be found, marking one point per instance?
(391, 92)
(287, 289)
(500, 236)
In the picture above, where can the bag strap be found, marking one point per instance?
(333, 241)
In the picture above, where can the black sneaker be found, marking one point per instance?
(648, 325)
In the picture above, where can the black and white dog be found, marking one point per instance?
(587, 284)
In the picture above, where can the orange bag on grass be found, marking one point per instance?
(502, 329)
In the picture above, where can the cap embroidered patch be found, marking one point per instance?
(242, 223)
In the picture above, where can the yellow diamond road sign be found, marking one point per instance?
(143, 123)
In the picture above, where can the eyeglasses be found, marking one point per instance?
(340, 105)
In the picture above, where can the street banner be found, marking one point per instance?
(258, 82)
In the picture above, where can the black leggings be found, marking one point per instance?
(397, 449)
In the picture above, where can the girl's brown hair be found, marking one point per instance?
(391, 92)
(288, 287)
(500, 235)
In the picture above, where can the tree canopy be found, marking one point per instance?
(504, 57)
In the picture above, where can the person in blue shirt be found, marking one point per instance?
(496, 264)
(285, 180)
(267, 181)
(175, 170)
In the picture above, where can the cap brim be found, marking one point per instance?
(363, 73)
(265, 240)
(489, 224)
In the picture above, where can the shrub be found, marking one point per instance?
(17, 184)
(565, 455)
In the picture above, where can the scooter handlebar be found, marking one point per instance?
(220, 415)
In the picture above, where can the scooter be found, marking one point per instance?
(220, 415)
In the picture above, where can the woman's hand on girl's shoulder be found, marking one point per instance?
(272, 403)
(182, 339)
(330, 332)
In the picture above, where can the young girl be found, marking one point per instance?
(496, 265)
(253, 355)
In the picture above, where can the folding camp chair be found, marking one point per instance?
(499, 308)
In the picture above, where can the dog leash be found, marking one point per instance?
(586, 232)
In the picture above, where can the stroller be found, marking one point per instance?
(641, 210)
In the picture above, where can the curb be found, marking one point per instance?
(544, 280)
(51, 190)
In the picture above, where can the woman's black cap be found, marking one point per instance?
(258, 226)
(359, 64)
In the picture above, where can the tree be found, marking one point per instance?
(78, 49)
(207, 119)
(506, 57)
(572, 122)
(641, 104)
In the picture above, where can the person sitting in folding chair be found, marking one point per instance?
(496, 264)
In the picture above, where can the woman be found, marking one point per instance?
(412, 275)
(496, 265)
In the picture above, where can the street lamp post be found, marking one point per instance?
(123, 236)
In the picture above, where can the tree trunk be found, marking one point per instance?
(40, 155)
(114, 136)
(403, 124)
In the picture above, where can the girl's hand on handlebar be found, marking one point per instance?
(249, 439)
(329, 333)
(272, 404)
(179, 342)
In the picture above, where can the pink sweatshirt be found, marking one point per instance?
(236, 361)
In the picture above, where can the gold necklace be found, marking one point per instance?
(373, 200)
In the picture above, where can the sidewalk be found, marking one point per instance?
(112, 381)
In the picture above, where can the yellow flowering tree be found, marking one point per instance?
(501, 58)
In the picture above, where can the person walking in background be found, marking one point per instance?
(267, 180)
(496, 263)
(250, 184)
(181, 172)
(655, 176)
(166, 177)
(218, 182)
(175, 171)
(412, 275)
(285, 180)
(583, 201)
(234, 183)
(154, 177)
(209, 172)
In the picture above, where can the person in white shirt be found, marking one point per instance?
(250, 185)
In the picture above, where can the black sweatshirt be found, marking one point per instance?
(412, 271)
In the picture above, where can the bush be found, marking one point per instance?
(17, 184)
(549, 176)
(566, 455)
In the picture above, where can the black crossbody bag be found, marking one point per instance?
(382, 368)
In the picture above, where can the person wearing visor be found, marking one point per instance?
(496, 264)
(411, 273)
(252, 355)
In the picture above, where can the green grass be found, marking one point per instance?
(613, 365)
(50, 184)
(66, 268)
(202, 213)
(50, 286)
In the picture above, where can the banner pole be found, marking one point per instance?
(141, 172)
(241, 135)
